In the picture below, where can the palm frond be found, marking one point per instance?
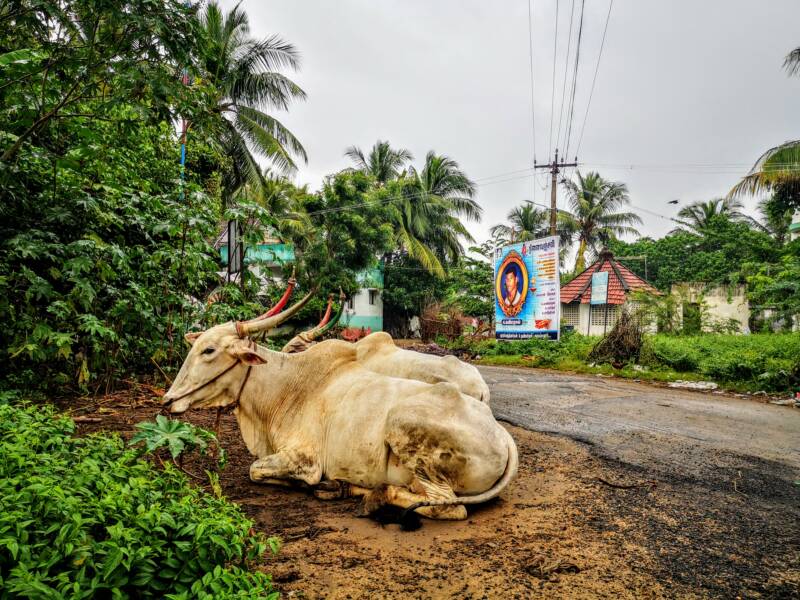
(792, 62)
(777, 166)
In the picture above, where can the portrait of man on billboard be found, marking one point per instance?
(512, 280)
(511, 285)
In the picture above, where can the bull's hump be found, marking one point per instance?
(332, 350)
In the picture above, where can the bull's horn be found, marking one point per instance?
(325, 327)
(291, 284)
(267, 323)
(327, 314)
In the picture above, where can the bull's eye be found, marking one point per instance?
(208, 351)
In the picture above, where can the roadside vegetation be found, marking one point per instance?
(767, 362)
(86, 517)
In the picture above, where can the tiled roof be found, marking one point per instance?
(620, 282)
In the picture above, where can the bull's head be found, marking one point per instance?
(212, 375)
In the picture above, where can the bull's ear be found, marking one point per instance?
(192, 336)
(248, 356)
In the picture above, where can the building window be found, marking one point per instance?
(570, 314)
(349, 303)
(599, 315)
(373, 297)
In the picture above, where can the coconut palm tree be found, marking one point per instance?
(696, 217)
(525, 222)
(428, 210)
(779, 165)
(384, 163)
(244, 73)
(594, 204)
(442, 177)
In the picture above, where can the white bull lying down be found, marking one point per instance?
(378, 353)
(320, 415)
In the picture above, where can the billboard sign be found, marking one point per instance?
(527, 290)
(599, 288)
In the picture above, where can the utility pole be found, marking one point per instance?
(555, 167)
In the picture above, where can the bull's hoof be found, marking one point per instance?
(332, 489)
(452, 512)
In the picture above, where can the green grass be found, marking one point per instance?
(768, 362)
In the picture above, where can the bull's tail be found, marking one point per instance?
(508, 475)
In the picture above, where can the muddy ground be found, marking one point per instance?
(575, 524)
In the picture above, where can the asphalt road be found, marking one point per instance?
(640, 423)
(723, 515)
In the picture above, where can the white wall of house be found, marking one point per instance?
(593, 320)
(364, 309)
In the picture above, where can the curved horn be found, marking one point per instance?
(325, 327)
(292, 283)
(267, 323)
(302, 341)
(327, 314)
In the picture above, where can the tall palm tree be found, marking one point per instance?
(282, 199)
(525, 222)
(442, 177)
(429, 209)
(779, 165)
(384, 163)
(696, 217)
(244, 73)
(594, 204)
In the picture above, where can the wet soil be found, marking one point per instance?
(577, 523)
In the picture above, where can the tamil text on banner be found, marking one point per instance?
(526, 287)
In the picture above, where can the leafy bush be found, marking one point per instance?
(85, 518)
(769, 362)
(544, 353)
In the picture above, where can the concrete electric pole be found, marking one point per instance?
(555, 167)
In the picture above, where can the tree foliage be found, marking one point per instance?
(595, 216)
(716, 257)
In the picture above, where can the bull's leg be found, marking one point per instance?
(403, 497)
(336, 489)
(286, 465)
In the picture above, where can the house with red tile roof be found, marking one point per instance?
(595, 319)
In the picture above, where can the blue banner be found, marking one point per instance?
(527, 290)
(599, 288)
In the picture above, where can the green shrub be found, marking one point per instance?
(769, 362)
(544, 353)
(85, 518)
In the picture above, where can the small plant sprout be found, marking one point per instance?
(178, 437)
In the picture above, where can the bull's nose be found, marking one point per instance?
(167, 398)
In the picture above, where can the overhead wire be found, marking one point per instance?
(553, 86)
(566, 70)
(530, 56)
(571, 113)
(594, 78)
(533, 107)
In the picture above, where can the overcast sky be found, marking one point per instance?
(680, 83)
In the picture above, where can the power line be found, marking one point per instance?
(530, 56)
(575, 80)
(594, 79)
(533, 106)
(553, 86)
(566, 69)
